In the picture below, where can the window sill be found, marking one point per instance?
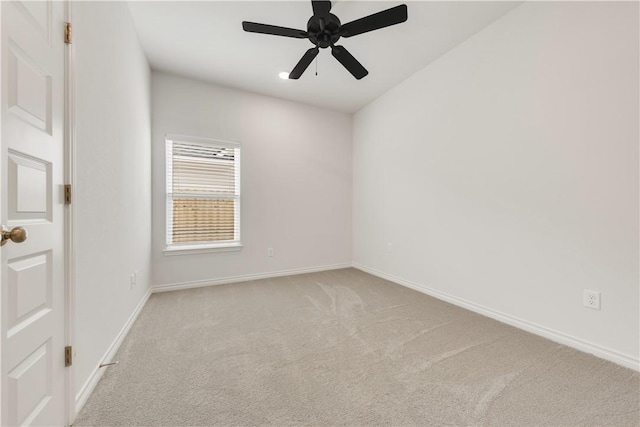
(201, 249)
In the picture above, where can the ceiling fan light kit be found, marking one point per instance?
(324, 30)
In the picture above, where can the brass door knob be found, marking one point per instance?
(16, 235)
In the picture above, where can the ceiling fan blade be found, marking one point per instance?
(321, 7)
(303, 63)
(386, 18)
(254, 27)
(349, 62)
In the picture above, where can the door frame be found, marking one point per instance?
(69, 218)
(2, 172)
(69, 215)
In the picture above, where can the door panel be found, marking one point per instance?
(39, 15)
(29, 290)
(29, 195)
(32, 277)
(29, 89)
(30, 386)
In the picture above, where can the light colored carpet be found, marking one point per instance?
(346, 348)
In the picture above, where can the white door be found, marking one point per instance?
(31, 177)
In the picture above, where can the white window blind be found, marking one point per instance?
(203, 193)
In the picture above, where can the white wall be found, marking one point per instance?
(113, 181)
(506, 172)
(296, 179)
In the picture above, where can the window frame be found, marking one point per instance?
(210, 246)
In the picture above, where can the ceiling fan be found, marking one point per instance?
(324, 29)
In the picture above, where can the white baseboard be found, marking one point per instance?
(559, 337)
(247, 277)
(92, 381)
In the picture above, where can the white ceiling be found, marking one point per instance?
(204, 40)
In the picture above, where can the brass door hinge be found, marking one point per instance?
(67, 32)
(68, 356)
(67, 194)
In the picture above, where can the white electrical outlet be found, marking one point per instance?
(389, 247)
(269, 251)
(133, 281)
(591, 299)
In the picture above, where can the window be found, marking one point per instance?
(203, 194)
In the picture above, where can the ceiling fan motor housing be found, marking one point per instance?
(323, 31)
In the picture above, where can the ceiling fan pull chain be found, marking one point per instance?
(316, 65)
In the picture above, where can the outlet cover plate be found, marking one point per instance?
(591, 299)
